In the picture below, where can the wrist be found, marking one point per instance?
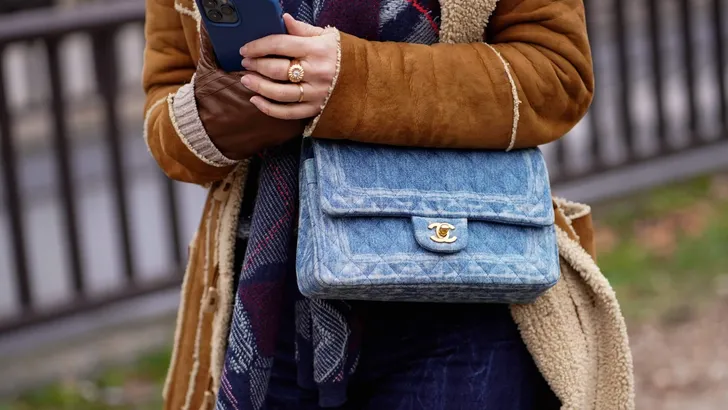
(190, 129)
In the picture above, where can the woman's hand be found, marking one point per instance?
(236, 127)
(317, 52)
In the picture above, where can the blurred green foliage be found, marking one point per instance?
(136, 386)
(666, 250)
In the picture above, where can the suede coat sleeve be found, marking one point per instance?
(462, 95)
(168, 65)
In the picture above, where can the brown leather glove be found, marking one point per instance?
(236, 127)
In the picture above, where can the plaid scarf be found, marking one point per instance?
(327, 335)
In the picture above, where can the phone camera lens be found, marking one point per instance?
(210, 4)
(214, 15)
(227, 10)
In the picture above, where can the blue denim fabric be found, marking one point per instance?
(366, 210)
(427, 357)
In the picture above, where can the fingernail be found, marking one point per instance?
(246, 62)
(243, 50)
(246, 81)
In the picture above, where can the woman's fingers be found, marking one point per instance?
(299, 28)
(286, 111)
(275, 68)
(281, 92)
(279, 45)
(268, 61)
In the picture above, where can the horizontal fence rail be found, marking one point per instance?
(648, 54)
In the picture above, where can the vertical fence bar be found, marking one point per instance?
(12, 198)
(562, 169)
(686, 13)
(107, 82)
(657, 75)
(63, 162)
(625, 77)
(173, 231)
(720, 64)
(595, 113)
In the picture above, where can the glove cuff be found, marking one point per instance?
(189, 127)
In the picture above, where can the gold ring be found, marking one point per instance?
(300, 97)
(295, 72)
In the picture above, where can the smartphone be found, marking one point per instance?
(233, 23)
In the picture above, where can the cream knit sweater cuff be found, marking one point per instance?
(189, 127)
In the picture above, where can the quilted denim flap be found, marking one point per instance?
(371, 180)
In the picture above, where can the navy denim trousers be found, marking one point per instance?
(429, 357)
(422, 356)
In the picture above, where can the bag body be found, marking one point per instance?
(425, 225)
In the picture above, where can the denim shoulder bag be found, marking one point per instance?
(436, 225)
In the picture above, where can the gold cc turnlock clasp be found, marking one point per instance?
(442, 232)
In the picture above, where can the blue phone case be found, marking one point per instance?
(255, 19)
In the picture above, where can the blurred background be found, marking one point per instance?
(92, 235)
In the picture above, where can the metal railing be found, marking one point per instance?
(102, 22)
(614, 118)
(632, 109)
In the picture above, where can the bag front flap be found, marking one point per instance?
(453, 186)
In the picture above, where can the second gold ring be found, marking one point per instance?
(300, 96)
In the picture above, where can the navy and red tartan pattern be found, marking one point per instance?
(327, 332)
(254, 324)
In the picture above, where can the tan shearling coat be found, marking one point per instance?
(529, 86)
